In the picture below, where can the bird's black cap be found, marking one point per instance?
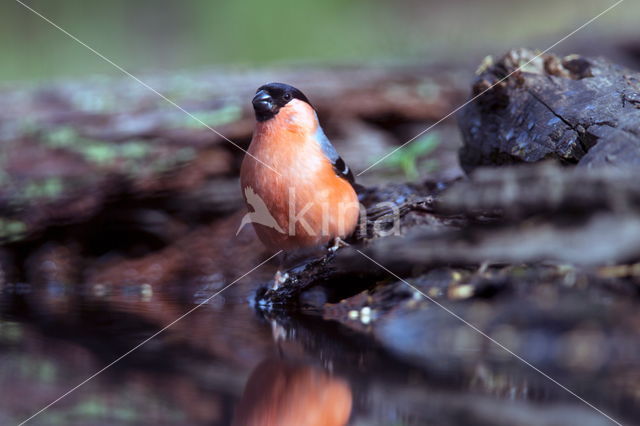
(271, 97)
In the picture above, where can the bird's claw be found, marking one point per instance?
(279, 279)
(338, 243)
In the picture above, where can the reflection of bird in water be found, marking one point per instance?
(260, 214)
(281, 393)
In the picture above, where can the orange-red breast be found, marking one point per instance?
(301, 193)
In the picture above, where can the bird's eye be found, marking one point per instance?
(287, 96)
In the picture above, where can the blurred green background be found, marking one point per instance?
(152, 35)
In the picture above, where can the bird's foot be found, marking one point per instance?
(337, 243)
(279, 279)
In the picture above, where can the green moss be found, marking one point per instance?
(135, 149)
(125, 414)
(28, 125)
(93, 101)
(99, 152)
(12, 230)
(61, 137)
(10, 332)
(428, 89)
(95, 151)
(165, 164)
(91, 408)
(224, 115)
(47, 372)
(48, 188)
(185, 154)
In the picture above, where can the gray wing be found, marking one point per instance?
(339, 166)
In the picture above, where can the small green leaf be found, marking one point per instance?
(410, 159)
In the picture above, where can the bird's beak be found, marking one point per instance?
(262, 102)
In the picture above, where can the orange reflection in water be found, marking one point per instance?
(284, 393)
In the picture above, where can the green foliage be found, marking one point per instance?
(411, 158)
(190, 34)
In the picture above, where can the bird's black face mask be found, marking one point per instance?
(273, 96)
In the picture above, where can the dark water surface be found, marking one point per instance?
(197, 371)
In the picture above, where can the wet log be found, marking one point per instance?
(526, 215)
(575, 110)
(516, 193)
(518, 215)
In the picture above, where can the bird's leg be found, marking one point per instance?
(336, 244)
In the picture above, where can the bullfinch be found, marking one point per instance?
(299, 190)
